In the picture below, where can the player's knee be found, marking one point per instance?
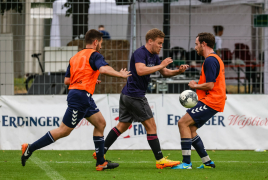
(181, 123)
(101, 124)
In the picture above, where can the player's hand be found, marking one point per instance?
(166, 62)
(183, 67)
(124, 73)
(192, 84)
(98, 82)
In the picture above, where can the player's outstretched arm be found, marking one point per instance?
(107, 70)
(143, 70)
(168, 72)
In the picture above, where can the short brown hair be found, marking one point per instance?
(217, 29)
(101, 26)
(207, 38)
(153, 34)
(92, 35)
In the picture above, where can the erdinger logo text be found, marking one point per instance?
(115, 110)
(18, 121)
(213, 121)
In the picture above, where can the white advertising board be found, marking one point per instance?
(242, 125)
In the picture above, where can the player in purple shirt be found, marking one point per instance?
(137, 85)
(133, 105)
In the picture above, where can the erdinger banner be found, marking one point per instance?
(24, 119)
(242, 125)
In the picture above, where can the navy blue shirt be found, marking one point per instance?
(106, 35)
(96, 61)
(211, 69)
(137, 85)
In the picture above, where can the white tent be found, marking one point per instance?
(105, 12)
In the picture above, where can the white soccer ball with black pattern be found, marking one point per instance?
(188, 98)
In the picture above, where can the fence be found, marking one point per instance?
(37, 39)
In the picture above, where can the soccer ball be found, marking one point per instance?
(188, 98)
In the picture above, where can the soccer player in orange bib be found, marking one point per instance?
(82, 75)
(211, 99)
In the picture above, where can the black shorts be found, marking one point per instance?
(135, 109)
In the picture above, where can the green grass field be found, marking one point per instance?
(134, 164)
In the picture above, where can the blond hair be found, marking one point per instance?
(153, 34)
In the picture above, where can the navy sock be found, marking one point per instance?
(155, 146)
(111, 138)
(99, 148)
(186, 149)
(200, 149)
(42, 142)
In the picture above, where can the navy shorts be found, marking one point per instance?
(201, 113)
(80, 105)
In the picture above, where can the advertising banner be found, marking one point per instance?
(242, 125)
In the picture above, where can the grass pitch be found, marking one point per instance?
(134, 164)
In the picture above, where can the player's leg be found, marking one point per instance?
(197, 143)
(186, 141)
(140, 111)
(152, 138)
(196, 116)
(73, 115)
(98, 121)
(50, 137)
(112, 136)
(64, 130)
(161, 161)
(122, 126)
(125, 120)
(114, 133)
(94, 116)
